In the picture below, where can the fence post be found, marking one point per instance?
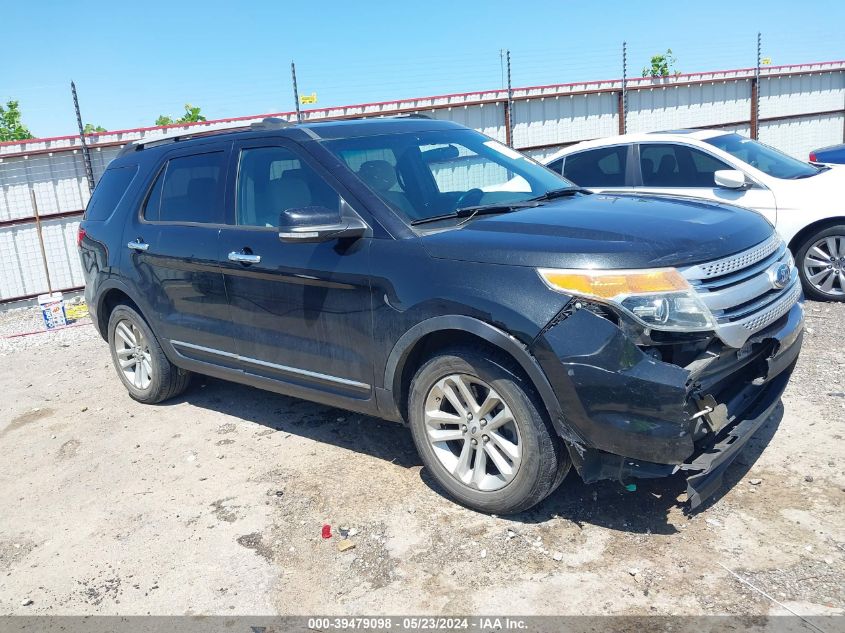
(623, 96)
(295, 92)
(40, 239)
(86, 156)
(509, 105)
(755, 95)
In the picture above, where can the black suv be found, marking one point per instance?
(419, 271)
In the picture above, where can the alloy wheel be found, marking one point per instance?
(472, 432)
(133, 354)
(824, 265)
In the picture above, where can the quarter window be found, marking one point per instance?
(274, 179)
(109, 192)
(556, 166)
(603, 167)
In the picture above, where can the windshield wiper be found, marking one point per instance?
(470, 212)
(561, 193)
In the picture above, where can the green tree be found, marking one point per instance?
(661, 65)
(90, 128)
(192, 115)
(11, 126)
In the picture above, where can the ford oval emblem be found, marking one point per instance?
(779, 275)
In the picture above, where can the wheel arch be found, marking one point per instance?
(113, 293)
(431, 335)
(819, 225)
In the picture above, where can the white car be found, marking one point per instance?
(805, 202)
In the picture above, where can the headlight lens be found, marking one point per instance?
(659, 298)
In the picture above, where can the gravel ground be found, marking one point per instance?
(214, 504)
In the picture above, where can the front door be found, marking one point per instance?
(682, 170)
(172, 259)
(300, 312)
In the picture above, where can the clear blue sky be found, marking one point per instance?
(135, 60)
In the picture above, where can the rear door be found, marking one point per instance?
(300, 313)
(677, 169)
(171, 241)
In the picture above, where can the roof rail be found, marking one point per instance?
(200, 130)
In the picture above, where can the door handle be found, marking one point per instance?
(244, 258)
(138, 245)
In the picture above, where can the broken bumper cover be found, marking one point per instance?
(637, 425)
(713, 462)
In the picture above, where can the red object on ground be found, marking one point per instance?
(327, 531)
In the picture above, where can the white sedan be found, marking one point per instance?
(805, 202)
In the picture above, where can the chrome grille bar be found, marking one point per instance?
(748, 291)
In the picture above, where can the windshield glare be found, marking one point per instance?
(433, 173)
(767, 159)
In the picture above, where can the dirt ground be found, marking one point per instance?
(214, 503)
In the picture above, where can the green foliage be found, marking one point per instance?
(90, 128)
(192, 115)
(11, 126)
(661, 65)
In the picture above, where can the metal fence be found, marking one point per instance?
(44, 189)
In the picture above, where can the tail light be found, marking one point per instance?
(813, 157)
(80, 235)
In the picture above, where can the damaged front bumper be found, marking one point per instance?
(626, 414)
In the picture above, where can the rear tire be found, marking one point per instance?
(821, 264)
(145, 371)
(498, 453)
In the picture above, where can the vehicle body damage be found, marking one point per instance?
(424, 273)
(629, 414)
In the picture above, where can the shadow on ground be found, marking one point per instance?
(604, 503)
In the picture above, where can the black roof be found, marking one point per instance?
(314, 130)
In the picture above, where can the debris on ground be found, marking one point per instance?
(327, 531)
(345, 545)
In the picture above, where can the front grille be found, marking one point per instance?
(740, 291)
(741, 260)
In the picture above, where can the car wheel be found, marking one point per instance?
(139, 360)
(483, 433)
(821, 264)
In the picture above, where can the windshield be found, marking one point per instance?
(436, 173)
(767, 159)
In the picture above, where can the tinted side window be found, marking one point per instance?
(603, 167)
(273, 179)
(188, 189)
(556, 166)
(109, 192)
(705, 166)
(668, 165)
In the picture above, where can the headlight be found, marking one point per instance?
(659, 298)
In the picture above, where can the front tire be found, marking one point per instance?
(483, 434)
(821, 264)
(145, 371)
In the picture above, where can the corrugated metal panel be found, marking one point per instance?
(799, 136)
(550, 120)
(818, 92)
(667, 107)
(487, 119)
(21, 265)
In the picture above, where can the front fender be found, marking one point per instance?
(514, 348)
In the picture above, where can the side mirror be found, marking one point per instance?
(730, 179)
(318, 224)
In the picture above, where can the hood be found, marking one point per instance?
(829, 182)
(604, 231)
(816, 197)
